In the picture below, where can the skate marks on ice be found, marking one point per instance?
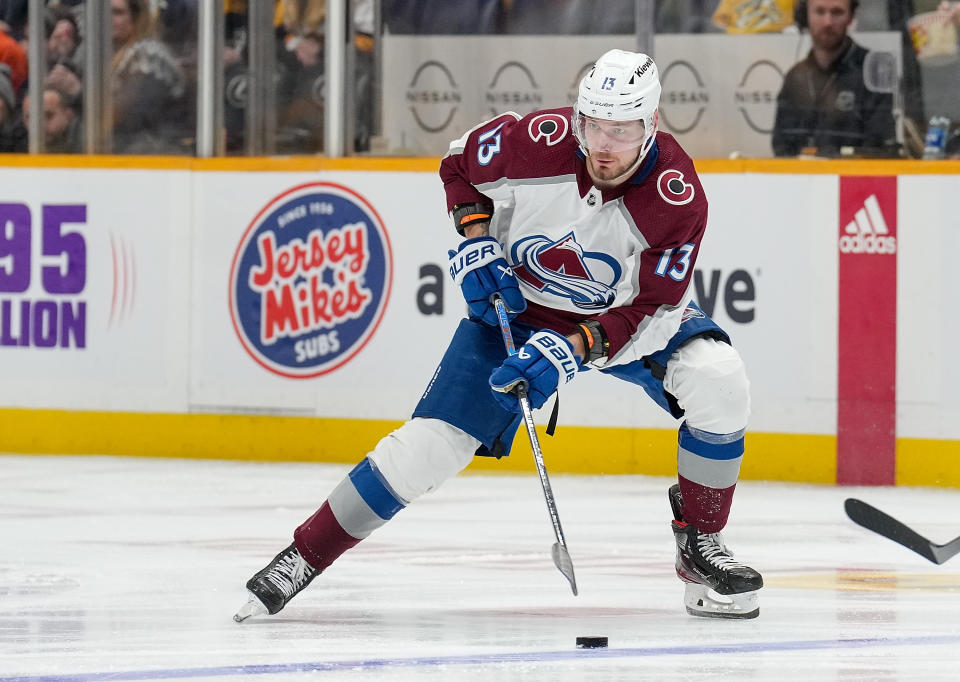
(115, 568)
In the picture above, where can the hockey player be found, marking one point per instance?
(587, 223)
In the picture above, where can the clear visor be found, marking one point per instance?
(597, 135)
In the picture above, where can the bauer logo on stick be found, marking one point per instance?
(310, 280)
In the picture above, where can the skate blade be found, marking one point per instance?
(701, 601)
(253, 607)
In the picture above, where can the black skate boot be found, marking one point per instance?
(716, 586)
(276, 584)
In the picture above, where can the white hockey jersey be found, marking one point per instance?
(624, 257)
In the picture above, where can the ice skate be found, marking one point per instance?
(716, 586)
(276, 584)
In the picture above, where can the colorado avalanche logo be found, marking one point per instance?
(564, 269)
(550, 128)
(673, 189)
(310, 280)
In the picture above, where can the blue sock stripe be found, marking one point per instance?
(710, 450)
(374, 490)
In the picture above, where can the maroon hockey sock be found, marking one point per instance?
(321, 538)
(706, 508)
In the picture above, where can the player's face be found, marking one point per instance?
(613, 147)
(606, 167)
(829, 21)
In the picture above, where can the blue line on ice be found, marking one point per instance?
(493, 658)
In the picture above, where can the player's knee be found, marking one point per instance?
(709, 381)
(421, 455)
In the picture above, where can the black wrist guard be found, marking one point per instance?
(468, 214)
(595, 342)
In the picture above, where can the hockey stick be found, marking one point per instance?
(873, 519)
(561, 557)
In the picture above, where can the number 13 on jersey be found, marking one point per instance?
(680, 266)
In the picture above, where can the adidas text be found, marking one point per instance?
(870, 243)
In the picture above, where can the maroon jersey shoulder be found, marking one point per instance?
(670, 202)
(542, 144)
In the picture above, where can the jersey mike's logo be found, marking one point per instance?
(673, 189)
(310, 280)
(564, 269)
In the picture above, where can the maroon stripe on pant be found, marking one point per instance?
(321, 538)
(706, 508)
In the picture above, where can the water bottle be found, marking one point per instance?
(935, 144)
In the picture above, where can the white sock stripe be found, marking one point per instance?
(710, 473)
(351, 511)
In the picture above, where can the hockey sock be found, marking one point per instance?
(708, 466)
(361, 503)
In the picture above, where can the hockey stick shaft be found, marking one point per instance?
(561, 556)
(883, 524)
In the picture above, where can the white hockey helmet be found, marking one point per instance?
(621, 86)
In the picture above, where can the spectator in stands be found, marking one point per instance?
(685, 16)
(951, 10)
(13, 55)
(13, 17)
(150, 112)
(443, 17)
(301, 65)
(568, 17)
(302, 28)
(64, 36)
(13, 134)
(66, 78)
(61, 126)
(178, 29)
(825, 107)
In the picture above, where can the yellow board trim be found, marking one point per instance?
(574, 450)
(807, 458)
(883, 167)
(924, 461)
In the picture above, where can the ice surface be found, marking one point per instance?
(131, 569)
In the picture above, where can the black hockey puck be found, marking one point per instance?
(591, 642)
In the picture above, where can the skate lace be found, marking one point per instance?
(290, 574)
(713, 549)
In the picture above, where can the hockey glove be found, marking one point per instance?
(481, 271)
(541, 364)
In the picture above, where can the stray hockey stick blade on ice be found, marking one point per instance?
(873, 519)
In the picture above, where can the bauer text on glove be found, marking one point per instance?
(481, 271)
(541, 364)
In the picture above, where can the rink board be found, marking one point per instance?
(125, 315)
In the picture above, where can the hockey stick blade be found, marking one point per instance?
(562, 560)
(873, 519)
